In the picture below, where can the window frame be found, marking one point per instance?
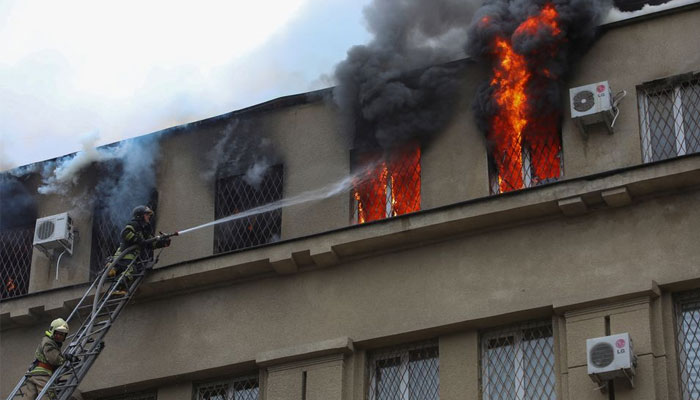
(230, 385)
(403, 354)
(680, 300)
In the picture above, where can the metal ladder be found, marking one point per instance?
(95, 319)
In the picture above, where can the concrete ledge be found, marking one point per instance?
(617, 197)
(341, 345)
(572, 206)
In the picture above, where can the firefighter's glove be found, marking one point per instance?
(112, 273)
(163, 242)
(70, 358)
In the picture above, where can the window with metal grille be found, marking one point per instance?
(687, 305)
(517, 362)
(242, 388)
(532, 162)
(235, 194)
(15, 261)
(669, 114)
(144, 395)
(107, 224)
(405, 372)
(388, 186)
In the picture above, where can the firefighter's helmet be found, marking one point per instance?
(140, 211)
(58, 325)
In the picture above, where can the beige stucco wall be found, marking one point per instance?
(506, 259)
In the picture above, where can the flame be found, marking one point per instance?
(10, 285)
(392, 188)
(515, 125)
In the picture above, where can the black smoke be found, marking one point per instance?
(398, 87)
(18, 208)
(549, 57)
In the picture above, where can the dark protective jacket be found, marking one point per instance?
(48, 352)
(135, 232)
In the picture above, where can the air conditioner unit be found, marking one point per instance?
(54, 232)
(611, 357)
(592, 104)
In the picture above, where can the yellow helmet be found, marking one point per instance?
(59, 325)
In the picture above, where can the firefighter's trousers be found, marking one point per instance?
(36, 383)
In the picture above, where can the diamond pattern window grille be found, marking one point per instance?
(235, 194)
(15, 261)
(533, 162)
(390, 187)
(517, 362)
(242, 388)
(687, 305)
(669, 113)
(145, 395)
(408, 372)
(107, 226)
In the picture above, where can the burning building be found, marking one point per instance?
(473, 231)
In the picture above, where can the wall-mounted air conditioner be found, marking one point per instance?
(592, 104)
(54, 232)
(611, 357)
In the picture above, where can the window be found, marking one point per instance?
(669, 113)
(146, 395)
(17, 219)
(517, 363)
(687, 306)
(238, 193)
(533, 162)
(389, 185)
(405, 373)
(243, 388)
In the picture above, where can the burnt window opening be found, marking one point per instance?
(241, 388)
(235, 194)
(687, 310)
(18, 213)
(531, 163)
(387, 185)
(669, 115)
(111, 214)
(405, 372)
(517, 362)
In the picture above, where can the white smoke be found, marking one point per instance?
(616, 15)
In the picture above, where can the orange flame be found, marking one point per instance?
(10, 285)
(515, 125)
(392, 187)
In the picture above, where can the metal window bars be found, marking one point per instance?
(390, 187)
(525, 163)
(241, 388)
(235, 194)
(15, 261)
(669, 114)
(107, 225)
(687, 310)
(142, 395)
(405, 372)
(517, 362)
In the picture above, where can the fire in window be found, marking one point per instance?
(389, 185)
(669, 113)
(405, 372)
(238, 193)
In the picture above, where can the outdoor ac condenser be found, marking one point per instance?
(54, 232)
(611, 357)
(591, 104)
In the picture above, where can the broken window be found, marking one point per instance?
(517, 362)
(387, 186)
(405, 372)
(532, 162)
(242, 388)
(669, 114)
(238, 193)
(687, 305)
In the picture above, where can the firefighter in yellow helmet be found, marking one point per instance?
(136, 232)
(48, 357)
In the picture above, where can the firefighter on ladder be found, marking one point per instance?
(48, 357)
(136, 232)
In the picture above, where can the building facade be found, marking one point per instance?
(420, 283)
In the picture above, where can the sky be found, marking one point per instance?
(79, 73)
(75, 74)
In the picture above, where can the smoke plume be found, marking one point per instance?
(240, 150)
(397, 88)
(17, 205)
(548, 56)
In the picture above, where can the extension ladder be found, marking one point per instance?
(95, 319)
